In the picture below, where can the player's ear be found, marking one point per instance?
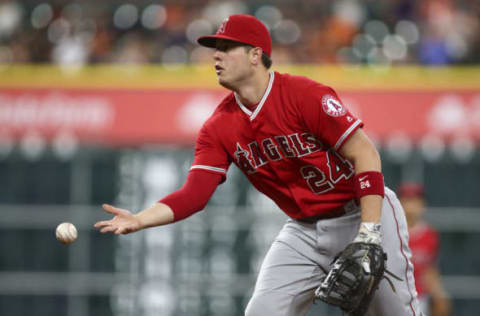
(256, 55)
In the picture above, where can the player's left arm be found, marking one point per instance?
(357, 271)
(368, 181)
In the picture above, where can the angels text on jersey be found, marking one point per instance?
(255, 154)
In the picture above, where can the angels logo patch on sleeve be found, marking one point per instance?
(332, 106)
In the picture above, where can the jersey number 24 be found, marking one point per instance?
(319, 182)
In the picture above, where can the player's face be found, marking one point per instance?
(414, 208)
(232, 63)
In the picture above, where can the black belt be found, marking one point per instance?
(349, 207)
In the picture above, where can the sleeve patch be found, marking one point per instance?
(332, 106)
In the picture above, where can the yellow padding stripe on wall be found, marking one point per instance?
(203, 77)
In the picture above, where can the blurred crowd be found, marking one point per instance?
(428, 32)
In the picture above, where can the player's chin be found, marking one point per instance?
(224, 83)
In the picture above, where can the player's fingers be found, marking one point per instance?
(109, 208)
(119, 231)
(108, 229)
(101, 224)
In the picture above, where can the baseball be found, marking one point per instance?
(66, 233)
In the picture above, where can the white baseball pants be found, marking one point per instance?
(301, 255)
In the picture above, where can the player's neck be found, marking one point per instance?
(253, 91)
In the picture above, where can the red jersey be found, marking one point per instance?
(423, 243)
(287, 147)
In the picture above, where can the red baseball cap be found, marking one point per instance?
(242, 28)
(410, 190)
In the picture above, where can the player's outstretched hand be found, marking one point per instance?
(123, 221)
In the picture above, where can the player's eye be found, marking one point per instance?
(224, 47)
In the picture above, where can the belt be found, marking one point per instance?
(349, 207)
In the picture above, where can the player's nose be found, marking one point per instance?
(217, 54)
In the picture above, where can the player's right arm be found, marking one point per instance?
(124, 222)
(208, 171)
(191, 198)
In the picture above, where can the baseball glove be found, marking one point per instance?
(354, 277)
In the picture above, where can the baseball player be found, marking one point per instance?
(424, 243)
(297, 143)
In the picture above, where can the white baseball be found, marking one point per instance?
(66, 233)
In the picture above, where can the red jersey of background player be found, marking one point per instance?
(287, 147)
(424, 245)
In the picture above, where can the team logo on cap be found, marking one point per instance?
(221, 28)
(332, 106)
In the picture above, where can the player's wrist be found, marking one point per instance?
(369, 183)
(139, 222)
(370, 233)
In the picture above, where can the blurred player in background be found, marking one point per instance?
(297, 143)
(424, 244)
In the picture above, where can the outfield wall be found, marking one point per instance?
(137, 105)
